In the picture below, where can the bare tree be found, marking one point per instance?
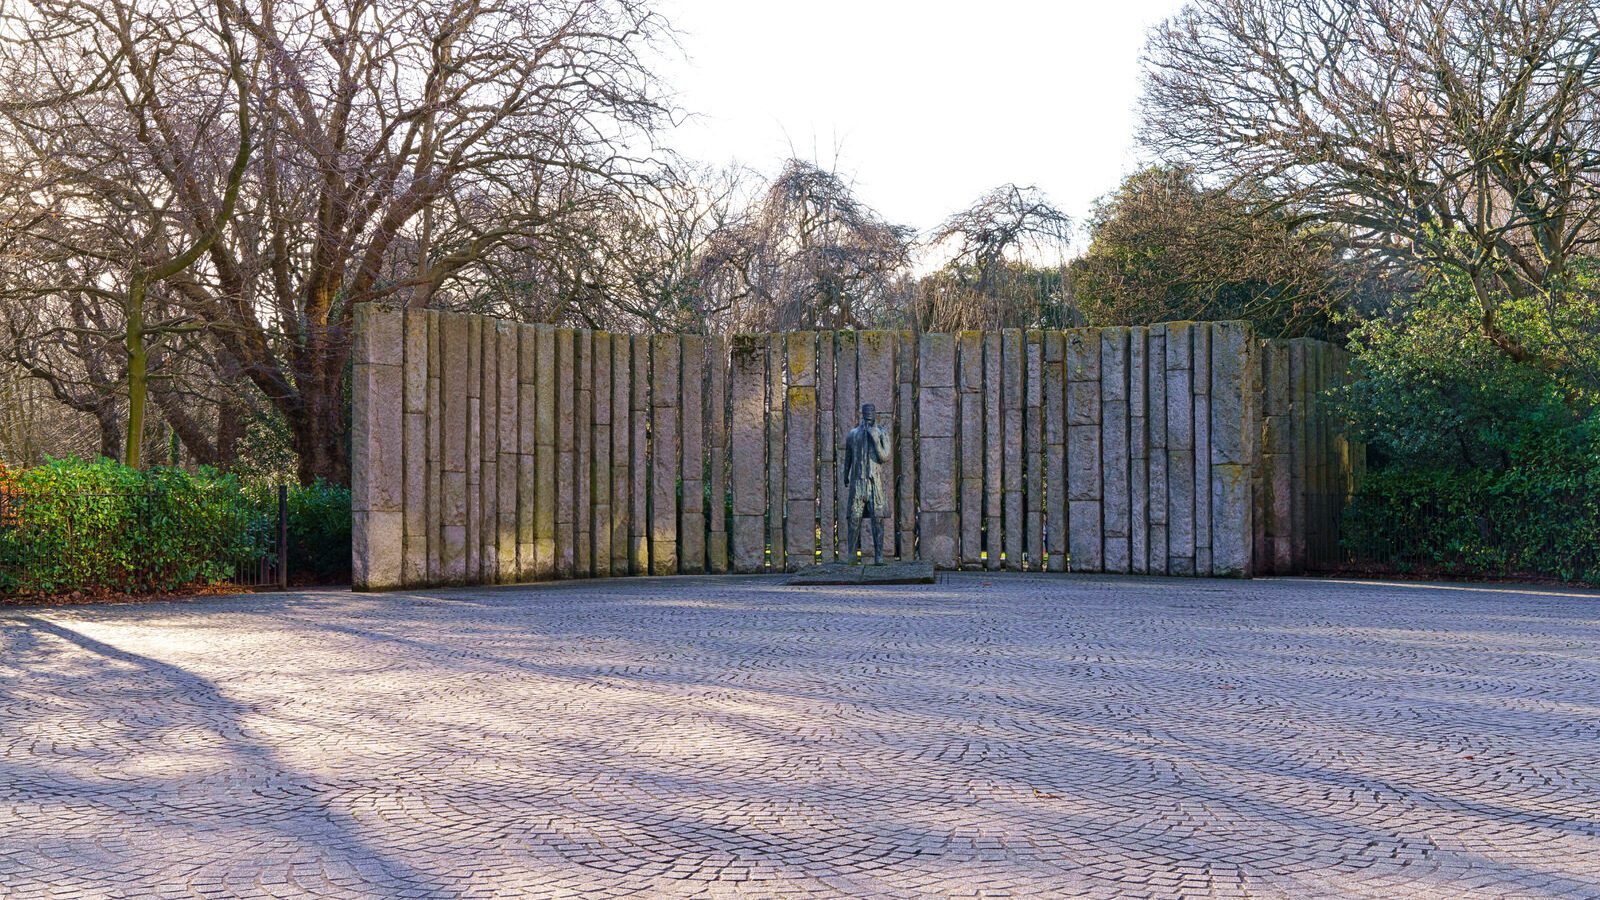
(397, 148)
(806, 254)
(1464, 134)
(1003, 257)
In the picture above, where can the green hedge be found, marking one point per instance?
(1539, 521)
(1479, 463)
(73, 525)
(101, 526)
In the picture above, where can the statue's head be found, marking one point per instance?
(869, 414)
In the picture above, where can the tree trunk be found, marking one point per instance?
(322, 435)
(105, 415)
(138, 359)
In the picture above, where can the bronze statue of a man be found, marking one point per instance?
(866, 451)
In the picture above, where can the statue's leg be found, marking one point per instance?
(852, 539)
(877, 540)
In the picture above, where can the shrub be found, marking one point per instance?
(97, 526)
(319, 528)
(1479, 463)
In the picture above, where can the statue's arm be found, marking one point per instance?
(848, 456)
(880, 438)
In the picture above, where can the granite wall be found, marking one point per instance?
(487, 451)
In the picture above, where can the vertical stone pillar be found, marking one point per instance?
(545, 455)
(639, 476)
(377, 438)
(474, 569)
(435, 418)
(993, 506)
(489, 466)
(1299, 416)
(748, 439)
(777, 459)
(846, 412)
(904, 522)
(936, 430)
(1012, 474)
(414, 562)
(1033, 450)
(1156, 382)
(566, 453)
(665, 394)
(1277, 458)
(1085, 526)
(1232, 531)
(1055, 450)
(455, 406)
(1138, 450)
(1201, 368)
(509, 433)
(800, 473)
(527, 450)
(622, 451)
(717, 454)
(1116, 501)
(827, 464)
(970, 446)
(600, 454)
(583, 452)
(692, 470)
(1180, 448)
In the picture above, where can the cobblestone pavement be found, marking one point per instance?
(985, 737)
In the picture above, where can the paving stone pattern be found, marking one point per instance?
(988, 736)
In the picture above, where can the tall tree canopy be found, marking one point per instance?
(1461, 134)
(395, 151)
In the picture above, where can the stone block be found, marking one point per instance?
(938, 482)
(1083, 462)
(1084, 532)
(1232, 527)
(376, 555)
(1083, 354)
(936, 412)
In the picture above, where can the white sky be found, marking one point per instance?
(929, 104)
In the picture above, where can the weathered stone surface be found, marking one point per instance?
(990, 428)
(565, 476)
(1083, 354)
(692, 458)
(639, 476)
(992, 505)
(749, 543)
(621, 453)
(776, 450)
(1054, 476)
(904, 514)
(1012, 474)
(717, 551)
(1033, 451)
(1138, 450)
(1230, 493)
(1156, 427)
(845, 414)
(748, 462)
(600, 455)
(665, 357)
(376, 556)
(937, 538)
(1085, 536)
(435, 439)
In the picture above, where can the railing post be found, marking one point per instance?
(283, 536)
